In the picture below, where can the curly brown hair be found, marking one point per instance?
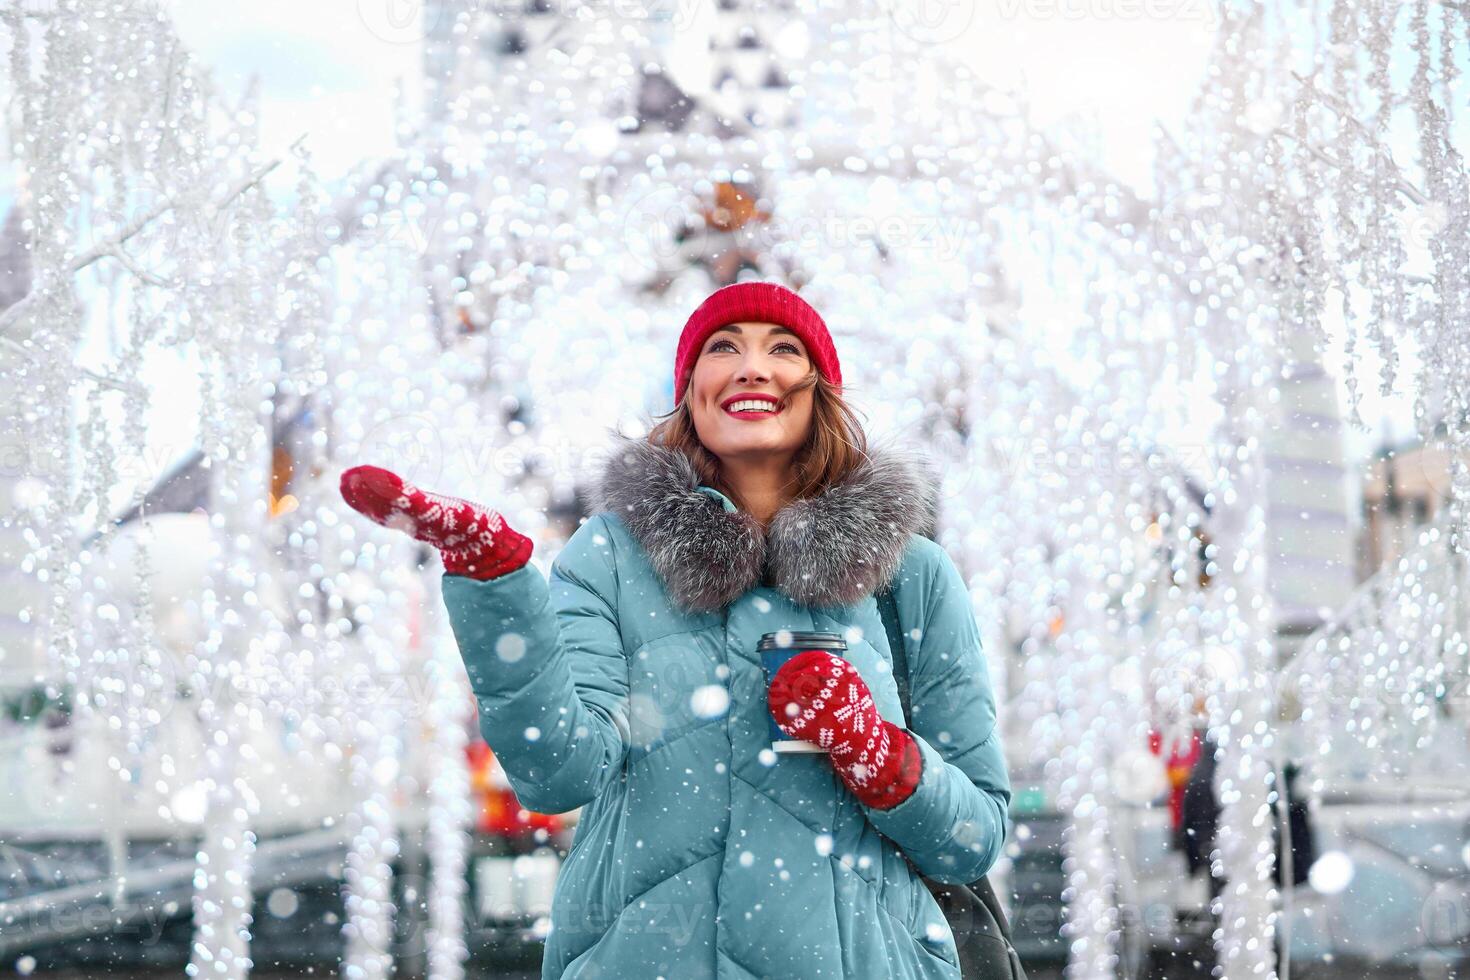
(834, 448)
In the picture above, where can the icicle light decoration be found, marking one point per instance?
(145, 196)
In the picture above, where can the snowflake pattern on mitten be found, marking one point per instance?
(821, 698)
(473, 540)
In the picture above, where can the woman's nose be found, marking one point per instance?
(753, 371)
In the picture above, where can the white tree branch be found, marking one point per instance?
(101, 379)
(112, 246)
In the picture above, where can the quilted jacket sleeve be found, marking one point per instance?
(954, 826)
(546, 664)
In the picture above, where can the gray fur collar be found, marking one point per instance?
(830, 550)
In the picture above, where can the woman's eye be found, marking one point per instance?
(725, 343)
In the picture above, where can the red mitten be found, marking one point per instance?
(473, 540)
(820, 698)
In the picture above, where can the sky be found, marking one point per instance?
(333, 68)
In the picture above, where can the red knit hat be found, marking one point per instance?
(758, 302)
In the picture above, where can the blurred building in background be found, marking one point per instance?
(717, 66)
(1308, 518)
(1404, 490)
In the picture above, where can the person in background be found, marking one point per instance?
(1201, 821)
(1182, 755)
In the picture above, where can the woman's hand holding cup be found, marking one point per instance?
(821, 698)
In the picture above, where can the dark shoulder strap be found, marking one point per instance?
(888, 609)
(973, 910)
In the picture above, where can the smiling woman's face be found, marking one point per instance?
(758, 359)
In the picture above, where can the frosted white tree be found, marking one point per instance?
(150, 230)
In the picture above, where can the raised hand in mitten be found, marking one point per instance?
(820, 698)
(473, 540)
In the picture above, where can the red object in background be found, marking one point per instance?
(1177, 766)
(500, 812)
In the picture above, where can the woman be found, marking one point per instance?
(631, 686)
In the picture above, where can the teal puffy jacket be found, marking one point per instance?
(630, 686)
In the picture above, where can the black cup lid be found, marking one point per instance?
(806, 639)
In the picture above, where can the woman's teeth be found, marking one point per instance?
(752, 406)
